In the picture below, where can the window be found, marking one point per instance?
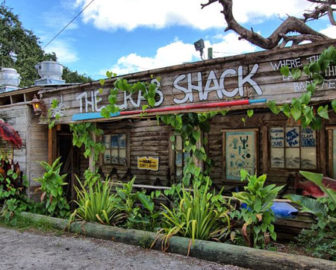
(181, 157)
(293, 148)
(115, 149)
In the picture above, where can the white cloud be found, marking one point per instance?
(178, 52)
(171, 54)
(330, 31)
(229, 44)
(64, 51)
(130, 14)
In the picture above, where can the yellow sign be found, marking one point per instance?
(148, 163)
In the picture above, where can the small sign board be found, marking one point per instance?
(148, 163)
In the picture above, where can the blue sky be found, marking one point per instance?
(131, 35)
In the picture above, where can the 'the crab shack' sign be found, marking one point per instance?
(237, 80)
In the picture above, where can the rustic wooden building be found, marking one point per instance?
(264, 143)
(16, 111)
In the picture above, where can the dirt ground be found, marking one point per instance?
(40, 250)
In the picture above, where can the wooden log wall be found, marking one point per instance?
(144, 138)
(34, 138)
(257, 73)
(249, 76)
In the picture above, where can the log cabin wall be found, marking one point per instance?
(262, 122)
(144, 137)
(251, 76)
(34, 139)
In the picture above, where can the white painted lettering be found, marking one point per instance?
(188, 93)
(222, 86)
(248, 79)
(87, 103)
(80, 97)
(291, 63)
(211, 80)
(97, 100)
(197, 87)
(158, 91)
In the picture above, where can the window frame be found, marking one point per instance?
(331, 163)
(172, 155)
(285, 126)
(127, 149)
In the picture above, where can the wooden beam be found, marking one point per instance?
(92, 162)
(52, 146)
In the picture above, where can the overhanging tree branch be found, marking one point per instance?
(279, 38)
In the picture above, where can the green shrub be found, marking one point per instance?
(13, 195)
(96, 203)
(52, 184)
(138, 207)
(320, 239)
(200, 215)
(257, 216)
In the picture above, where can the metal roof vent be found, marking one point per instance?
(9, 79)
(50, 73)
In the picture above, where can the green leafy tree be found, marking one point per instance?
(15, 38)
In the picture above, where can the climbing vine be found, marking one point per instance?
(51, 116)
(301, 109)
(148, 91)
(189, 126)
(82, 134)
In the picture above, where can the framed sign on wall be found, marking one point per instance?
(239, 152)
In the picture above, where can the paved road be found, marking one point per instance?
(36, 250)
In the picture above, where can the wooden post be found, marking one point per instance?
(52, 147)
(92, 163)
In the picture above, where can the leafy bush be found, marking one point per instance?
(96, 203)
(13, 196)
(200, 215)
(138, 207)
(52, 184)
(320, 239)
(257, 215)
(12, 184)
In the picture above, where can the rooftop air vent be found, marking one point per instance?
(9, 79)
(50, 73)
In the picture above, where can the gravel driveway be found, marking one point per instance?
(35, 250)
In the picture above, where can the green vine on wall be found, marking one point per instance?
(51, 117)
(189, 126)
(148, 91)
(300, 108)
(82, 134)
